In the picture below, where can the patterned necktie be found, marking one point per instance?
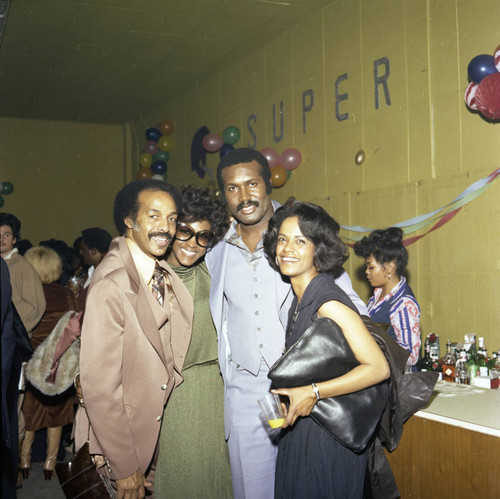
(158, 284)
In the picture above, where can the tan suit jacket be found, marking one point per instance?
(132, 353)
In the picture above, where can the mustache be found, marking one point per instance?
(160, 234)
(246, 204)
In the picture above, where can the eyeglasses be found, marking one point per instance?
(204, 238)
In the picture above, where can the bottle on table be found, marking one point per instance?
(470, 345)
(448, 364)
(428, 362)
(482, 358)
(462, 373)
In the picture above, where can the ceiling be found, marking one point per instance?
(108, 61)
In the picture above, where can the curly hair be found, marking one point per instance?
(245, 155)
(13, 222)
(319, 227)
(127, 199)
(386, 245)
(199, 204)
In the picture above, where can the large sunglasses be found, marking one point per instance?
(204, 238)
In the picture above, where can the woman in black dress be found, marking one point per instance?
(302, 242)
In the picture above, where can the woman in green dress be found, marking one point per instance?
(193, 457)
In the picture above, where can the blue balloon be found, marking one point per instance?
(481, 66)
(158, 167)
(225, 149)
(153, 134)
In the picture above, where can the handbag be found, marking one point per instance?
(80, 479)
(323, 353)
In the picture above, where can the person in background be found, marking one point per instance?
(40, 410)
(64, 252)
(135, 335)
(194, 459)
(23, 246)
(249, 301)
(393, 301)
(27, 291)
(302, 242)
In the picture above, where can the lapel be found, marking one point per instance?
(149, 321)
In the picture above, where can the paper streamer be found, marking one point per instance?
(437, 217)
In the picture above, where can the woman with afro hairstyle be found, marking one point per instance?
(193, 456)
(393, 301)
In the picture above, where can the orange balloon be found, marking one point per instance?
(144, 173)
(165, 143)
(166, 127)
(278, 176)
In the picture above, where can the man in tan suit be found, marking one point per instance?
(135, 335)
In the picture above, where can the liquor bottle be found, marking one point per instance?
(481, 349)
(462, 374)
(482, 357)
(428, 363)
(470, 345)
(448, 364)
(473, 368)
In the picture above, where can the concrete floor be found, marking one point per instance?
(36, 487)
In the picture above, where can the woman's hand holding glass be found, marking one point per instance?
(302, 400)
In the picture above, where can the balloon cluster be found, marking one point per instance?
(156, 153)
(282, 164)
(483, 92)
(213, 142)
(5, 188)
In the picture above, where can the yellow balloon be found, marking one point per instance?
(144, 173)
(145, 159)
(165, 143)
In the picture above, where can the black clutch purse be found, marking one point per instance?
(323, 353)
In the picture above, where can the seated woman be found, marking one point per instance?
(40, 410)
(302, 243)
(393, 301)
(193, 456)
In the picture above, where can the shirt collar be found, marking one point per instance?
(145, 264)
(10, 253)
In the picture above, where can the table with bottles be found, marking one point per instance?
(450, 448)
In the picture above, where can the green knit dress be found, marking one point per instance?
(193, 457)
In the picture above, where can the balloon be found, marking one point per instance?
(151, 147)
(166, 127)
(496, 58)
(153, 134)
(1, 186)
(231, 135)
(144, 173)
(1, 201)
(7, 187)
(290, 159)
(158, 167)
(225, 149)
(488, 97)
(162, 156)
(145, 159)
(158, 176)
(212, 142)
(278, 176)
(481, 66)
(470, 96)
(165, 143)
(271, 155)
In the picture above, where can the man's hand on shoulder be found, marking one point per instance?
(132, 487)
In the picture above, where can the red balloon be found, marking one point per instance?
(278, 176)
(488, 96)
(166, 127)
(271, 155)
(144, 173)
(151, 147)
(212, 142)
(290, 159)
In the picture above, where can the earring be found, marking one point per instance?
(276, 260)
(389, 275)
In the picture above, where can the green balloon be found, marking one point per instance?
(162, 156)
(231, 135)
(7, 187)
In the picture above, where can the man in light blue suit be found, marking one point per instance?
(249, 303)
